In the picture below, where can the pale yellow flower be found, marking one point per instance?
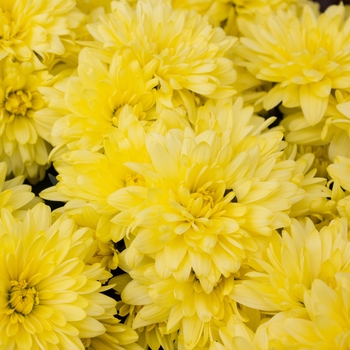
(49, 297)
(85, 216)
(303, 255)
(92, 176)
(33, 29)
(14, 195)
(306, 56)
(88, 105)
(189, 52)
(207, 200)
(25, 133)
(177, 307)
(324, 324)
(316, 203)
(118, 336)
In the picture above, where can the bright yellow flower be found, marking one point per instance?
(324, 324)
(93, 176)
(340, 171)
(117, 336)
(49, 297)
(303, 255)
(85, 216)
(25, 133)
(14, 196)
(182, 307)
(189, 52)
(235, 335)
(306, 56)
(36, 27)
(207, 200)
(316, 203)
(90, 103)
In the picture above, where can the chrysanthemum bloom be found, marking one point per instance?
(85, 216)
(117, 336)
(24, 134)
(235, 335)
(306, 56)
(149, 336)
(88, 105)
(331, 132)
(36, 27)
(14, 196)
(182, 307)
(49, 297)
(209, 199)
(323, 324)
(87, 177)
(316, 203)
(190, 53)
(303, 255)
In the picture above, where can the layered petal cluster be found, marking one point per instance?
(189, 52)
(25, 134)
(180, 308)
(305, 55)
(14, 195)
(50, 297)
(30, 28)
(88, 105)
(303, 255)
(324, 324)
(208, 200)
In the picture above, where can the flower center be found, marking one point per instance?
(205, 196)
(134, 180)
(22, 298)
(18, 102)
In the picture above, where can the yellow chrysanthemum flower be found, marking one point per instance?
(330, 133)
(207, 200)
(87, 177)
(189, 52)
(324, 324)
(31, 28)
(316, 203)
(235, 335)
(25, 133)
(306, 56)
(183, 308)
(117, 337)
(85, 216)
(14, 196)
(49, 297)
(88, 105)
(93, 176)
(303, 255)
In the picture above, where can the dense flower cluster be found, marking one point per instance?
(201, 158)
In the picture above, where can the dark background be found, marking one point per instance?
(325, 3)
